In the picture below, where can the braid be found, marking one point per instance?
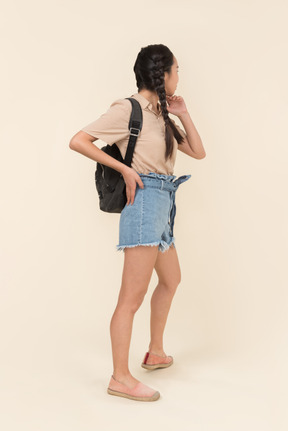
(150, 66)
(158, 77)
(159, 86)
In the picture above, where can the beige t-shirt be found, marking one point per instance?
(149, 153)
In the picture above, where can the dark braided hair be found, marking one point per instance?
(151, 63)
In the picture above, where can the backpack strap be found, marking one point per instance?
(135, 127)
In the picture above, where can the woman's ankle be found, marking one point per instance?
(121, 375)
(156, 350)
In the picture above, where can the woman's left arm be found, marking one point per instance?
(192, 145)
(193, 138)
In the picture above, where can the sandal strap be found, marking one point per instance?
(154, 354)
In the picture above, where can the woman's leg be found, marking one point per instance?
(137, 271)
(169, 276)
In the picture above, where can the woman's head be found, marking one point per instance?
(156, 70)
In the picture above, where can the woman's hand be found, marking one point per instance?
(176, 105)
(131, 179)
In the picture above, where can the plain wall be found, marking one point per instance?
(64, 63)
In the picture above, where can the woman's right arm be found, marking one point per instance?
(82, 142)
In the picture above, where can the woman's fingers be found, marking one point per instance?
(130, 195)
(127, 195)
(140, 182)
(131, 189)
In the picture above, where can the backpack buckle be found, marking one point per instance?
(134, 134)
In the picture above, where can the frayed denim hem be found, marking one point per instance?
(163, 246)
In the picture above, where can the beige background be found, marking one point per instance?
(63, 63)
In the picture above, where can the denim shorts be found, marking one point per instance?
(150, 219)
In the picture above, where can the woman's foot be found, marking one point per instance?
(138, 392)
(152, 361)
(127, 380)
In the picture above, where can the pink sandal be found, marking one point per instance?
(151, 361)
(140, 392)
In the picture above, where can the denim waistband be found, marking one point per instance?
(164, 182)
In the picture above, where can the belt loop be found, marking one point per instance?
(162, 183)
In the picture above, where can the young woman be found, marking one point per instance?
(147, 220)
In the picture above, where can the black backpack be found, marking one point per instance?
(110, 183)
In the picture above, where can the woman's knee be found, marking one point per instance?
(131, 302)
(169, 286)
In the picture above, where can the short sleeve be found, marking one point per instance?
(112, 126)
(181, 131)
